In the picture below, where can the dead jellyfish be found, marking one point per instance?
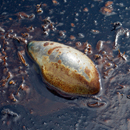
(66, 70)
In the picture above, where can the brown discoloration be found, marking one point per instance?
(75, 70)
(72, 37)
(50, 50)
(109, 3)
(22, 15)
(54, 1)
(59, 61)
(87, 71)
(95, 31)
(85, 9)
(51, 43)
(12, 97)
(22, 58)
(46, 44)
(69, 81)
(45, 57)
(72, 25)
(65, 79)
(95, 80)
(12, 82)
(106, 10)
(57, 50)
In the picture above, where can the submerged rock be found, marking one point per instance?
(65, 69)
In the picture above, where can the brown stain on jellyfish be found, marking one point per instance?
(51, 43)
(59, 52)
(51, 50)
(87, 71)
(69, 81)
(46, 44)
(59, 61)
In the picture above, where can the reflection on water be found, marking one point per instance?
(25, 102)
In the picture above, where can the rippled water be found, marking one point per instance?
(25, 102)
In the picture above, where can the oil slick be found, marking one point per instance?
(65, 69)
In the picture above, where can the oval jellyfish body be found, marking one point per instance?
(66, 69)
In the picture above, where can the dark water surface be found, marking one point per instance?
(25, 102)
